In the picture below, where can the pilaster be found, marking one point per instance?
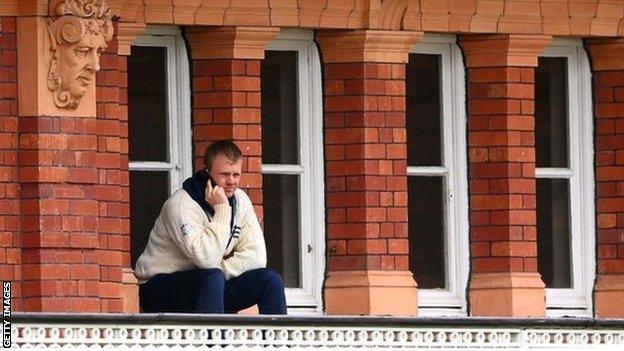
(608, 87)
(366, 169)
(503, 234)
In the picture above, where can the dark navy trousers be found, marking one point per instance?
(207, 291)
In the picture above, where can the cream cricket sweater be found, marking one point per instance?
(185, 238)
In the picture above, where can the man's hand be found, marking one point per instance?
(215, 195)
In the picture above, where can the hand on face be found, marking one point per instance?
(215, 195)
(226, 173)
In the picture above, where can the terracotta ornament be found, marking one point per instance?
(79, 30)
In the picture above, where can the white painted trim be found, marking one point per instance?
(178, 113)
(282, 169)
(450, 301)
(151, 166)
(426, 171)
(253, 335)
(310, 170)
(578, 299)
(558, 173)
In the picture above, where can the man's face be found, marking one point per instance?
(226, 173)
(78, 62)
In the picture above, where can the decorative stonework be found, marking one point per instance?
(247, 333)
(78, 35)
(229, 42)
(551, 17)
(518, 294)
(366, 45)
(512, 50)
(126, 34)
(372, 292)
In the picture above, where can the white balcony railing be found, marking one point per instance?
(190, 332)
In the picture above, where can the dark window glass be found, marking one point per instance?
(280, 140)
(553, 232)
(426, 231)
(281, 225)
(551, 112)
(148, 192)
(147, 104)
(424, 136)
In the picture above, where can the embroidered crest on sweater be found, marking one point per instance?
(235, 232)
(185, 229)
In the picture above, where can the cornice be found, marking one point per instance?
(502, 50)
(229, 42)
(126, 33)
(366, 45)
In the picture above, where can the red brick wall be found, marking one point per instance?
(502, 169)
(112, 188)
(609, 109)
(226, 105)
(59, 214)
(74, 210)
(10, 251)
(366, 166)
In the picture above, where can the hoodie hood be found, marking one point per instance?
(195, 186)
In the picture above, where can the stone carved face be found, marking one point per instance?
(78, 62)
(76, 46)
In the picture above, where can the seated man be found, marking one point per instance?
(206, 251)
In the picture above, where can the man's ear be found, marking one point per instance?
(212, 181)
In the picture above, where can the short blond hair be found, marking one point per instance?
(223, 147)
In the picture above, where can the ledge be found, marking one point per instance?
(184, 318)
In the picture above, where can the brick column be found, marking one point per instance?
(226, 95)
(366, 182)
(608, 82)
(115, 79)
(10, 250)
(112, 188)
(73, 187)
(503, 240)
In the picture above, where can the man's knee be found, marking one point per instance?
(211, 276)
(272, 279)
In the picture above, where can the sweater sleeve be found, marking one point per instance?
(200, 241)
(250, 251)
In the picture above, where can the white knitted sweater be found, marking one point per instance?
(184, 238)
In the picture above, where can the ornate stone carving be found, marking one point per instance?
(79, 30)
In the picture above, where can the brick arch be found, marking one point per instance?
(391, 15)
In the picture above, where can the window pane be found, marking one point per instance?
(553, 232)
(551, 112)
(423, 111)
(148, 192)
(280, 141)
(426, 231)
(281, 225)
(147, 104)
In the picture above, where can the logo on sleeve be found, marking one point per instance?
(185, 229)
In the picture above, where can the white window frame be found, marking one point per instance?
(578, 299)
(452, 300)
(308, 298)
(179, 137)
